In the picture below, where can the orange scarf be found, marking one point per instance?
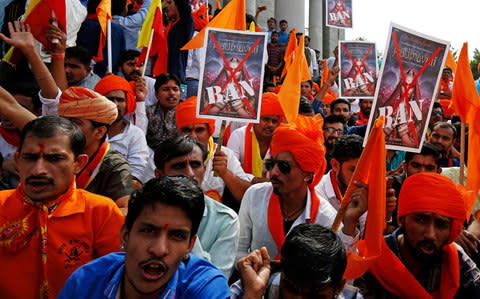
(445, 86)
(392, 274)
(88, 173)
(252, 160)
(361, 119)
(12, 137)
(338, 194)
(275, 218)
(17, 234)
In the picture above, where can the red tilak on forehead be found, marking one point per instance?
(165, 227)
(42, 148)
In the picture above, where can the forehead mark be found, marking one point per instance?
(42, 148)
(165, 227)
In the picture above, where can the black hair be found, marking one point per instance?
(340, 101)
(437, 105)
(272, 19)
(445, 125)
(309, 82)
(428, 149)
(313, 254)
(267, 84)
(80, 53)
(118, 7)
(51, 126)
(347, 147)
(275, 32)
(305, 106)
(164, 78)
(249, 18)
(178, 191)
(308, 37)
(332, 119)
(26, 88)
(126, 56)
(176, 147)
(283, 21)
(92, 6)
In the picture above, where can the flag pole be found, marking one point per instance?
(54, 40)
(220, 141)
(462, 154)
(148, 52)
(109, 45)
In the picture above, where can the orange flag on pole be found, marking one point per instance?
(450, 62)
(104, 14)
(289, 95)
(466, 103)
(288, 56)
(305, 71)
(231, 17)
(371, 170)
(39, 12)
(217, 5)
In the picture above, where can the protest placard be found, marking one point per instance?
(338, 13)
(358, 69)
(231, 75)
(408, 81)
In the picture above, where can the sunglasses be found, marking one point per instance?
(331, 130)
(284, 166)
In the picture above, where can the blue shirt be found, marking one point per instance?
(282, 37)
(101, 278)
(132, 24)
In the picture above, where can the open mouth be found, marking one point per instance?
(427, 248)
(154, 271)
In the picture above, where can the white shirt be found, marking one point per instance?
(195, 56)
(6, 149)
(131, 143)
(253, 215)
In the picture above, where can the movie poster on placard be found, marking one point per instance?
(231, 75)
(358, 69)
(339, 13)
(408, 81)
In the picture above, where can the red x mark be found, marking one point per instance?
(358, 68)
(339, 7)
(232, 73)
(403, 98)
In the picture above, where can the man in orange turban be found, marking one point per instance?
(229, 169)
(419, 259)
(270, 210)
(107, 172)
(251, 144)
(123, 135)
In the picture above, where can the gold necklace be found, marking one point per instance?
(287, 217)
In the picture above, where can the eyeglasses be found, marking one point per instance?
(116, 99)
(332, 130)
(284, 166)
(437, 112)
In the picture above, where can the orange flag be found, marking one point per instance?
(217, 5)
(370, 169)
(231, 17)
(39, 12)
(450, 62)
(466, 103)
(305, 72)
(288, 56)
(289, 95)
(324, 72)
(104, 13)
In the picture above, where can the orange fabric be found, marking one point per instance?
(305, 71)
(38, 14)
(81, 228)
(315, 86)
(186, 115)
(362, 120)
(466, 103)
(114, 82)
(247, 150)
(447, 107)
(88, 173)
(12, 137)
(227, 134)
(289, 51)
(79, 102)
(450, 62)
(329, 97)
(104, 13)
(324, 72)
(370, 169)
(413, 198)
(277, 88)
(217, 5)
(231, 17)
(275, 219)
(397, 279)
(289, 95)
(199, 20)
(306, 135)
(271, 105)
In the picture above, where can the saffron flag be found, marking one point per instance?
(154, 21)
(450, 62)
(231, 17)
(39, 12)
(104, 14)
(305, 71)
(324, 72)
(466, 103)
(370, 169)
(288, 56)
(217, 5)
(289, 95)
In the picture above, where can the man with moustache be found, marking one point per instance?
(48, 227)
(270, 210)
(78, 69)
(419, 260)
(364, 113)
(443, 137)
(333, 128)
(158, 235)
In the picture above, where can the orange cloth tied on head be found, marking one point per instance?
(433, 193)
(315, 86)
(304, 140)
(271, 105)
(186, 114)
(114, 82)
(80, 102)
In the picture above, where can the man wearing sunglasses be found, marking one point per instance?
(270, 210)
(333, 128)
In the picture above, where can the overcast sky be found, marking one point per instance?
(453, 21)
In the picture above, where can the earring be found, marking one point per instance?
(122, 247)
(305, 179)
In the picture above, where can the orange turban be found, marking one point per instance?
(433, 193)
(114, 82)
(80, 102)
(315, 86)
(271, 105)
(304, 139)
(329, 97)
(186, 115)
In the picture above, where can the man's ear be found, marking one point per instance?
(100, 132)
(192, 243)
(89, 69)
(401, 221)
(81, 161)
(159, 173)
(335, 165)
(439, 170)
(124, 234)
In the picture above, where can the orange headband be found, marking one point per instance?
(186, 115)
